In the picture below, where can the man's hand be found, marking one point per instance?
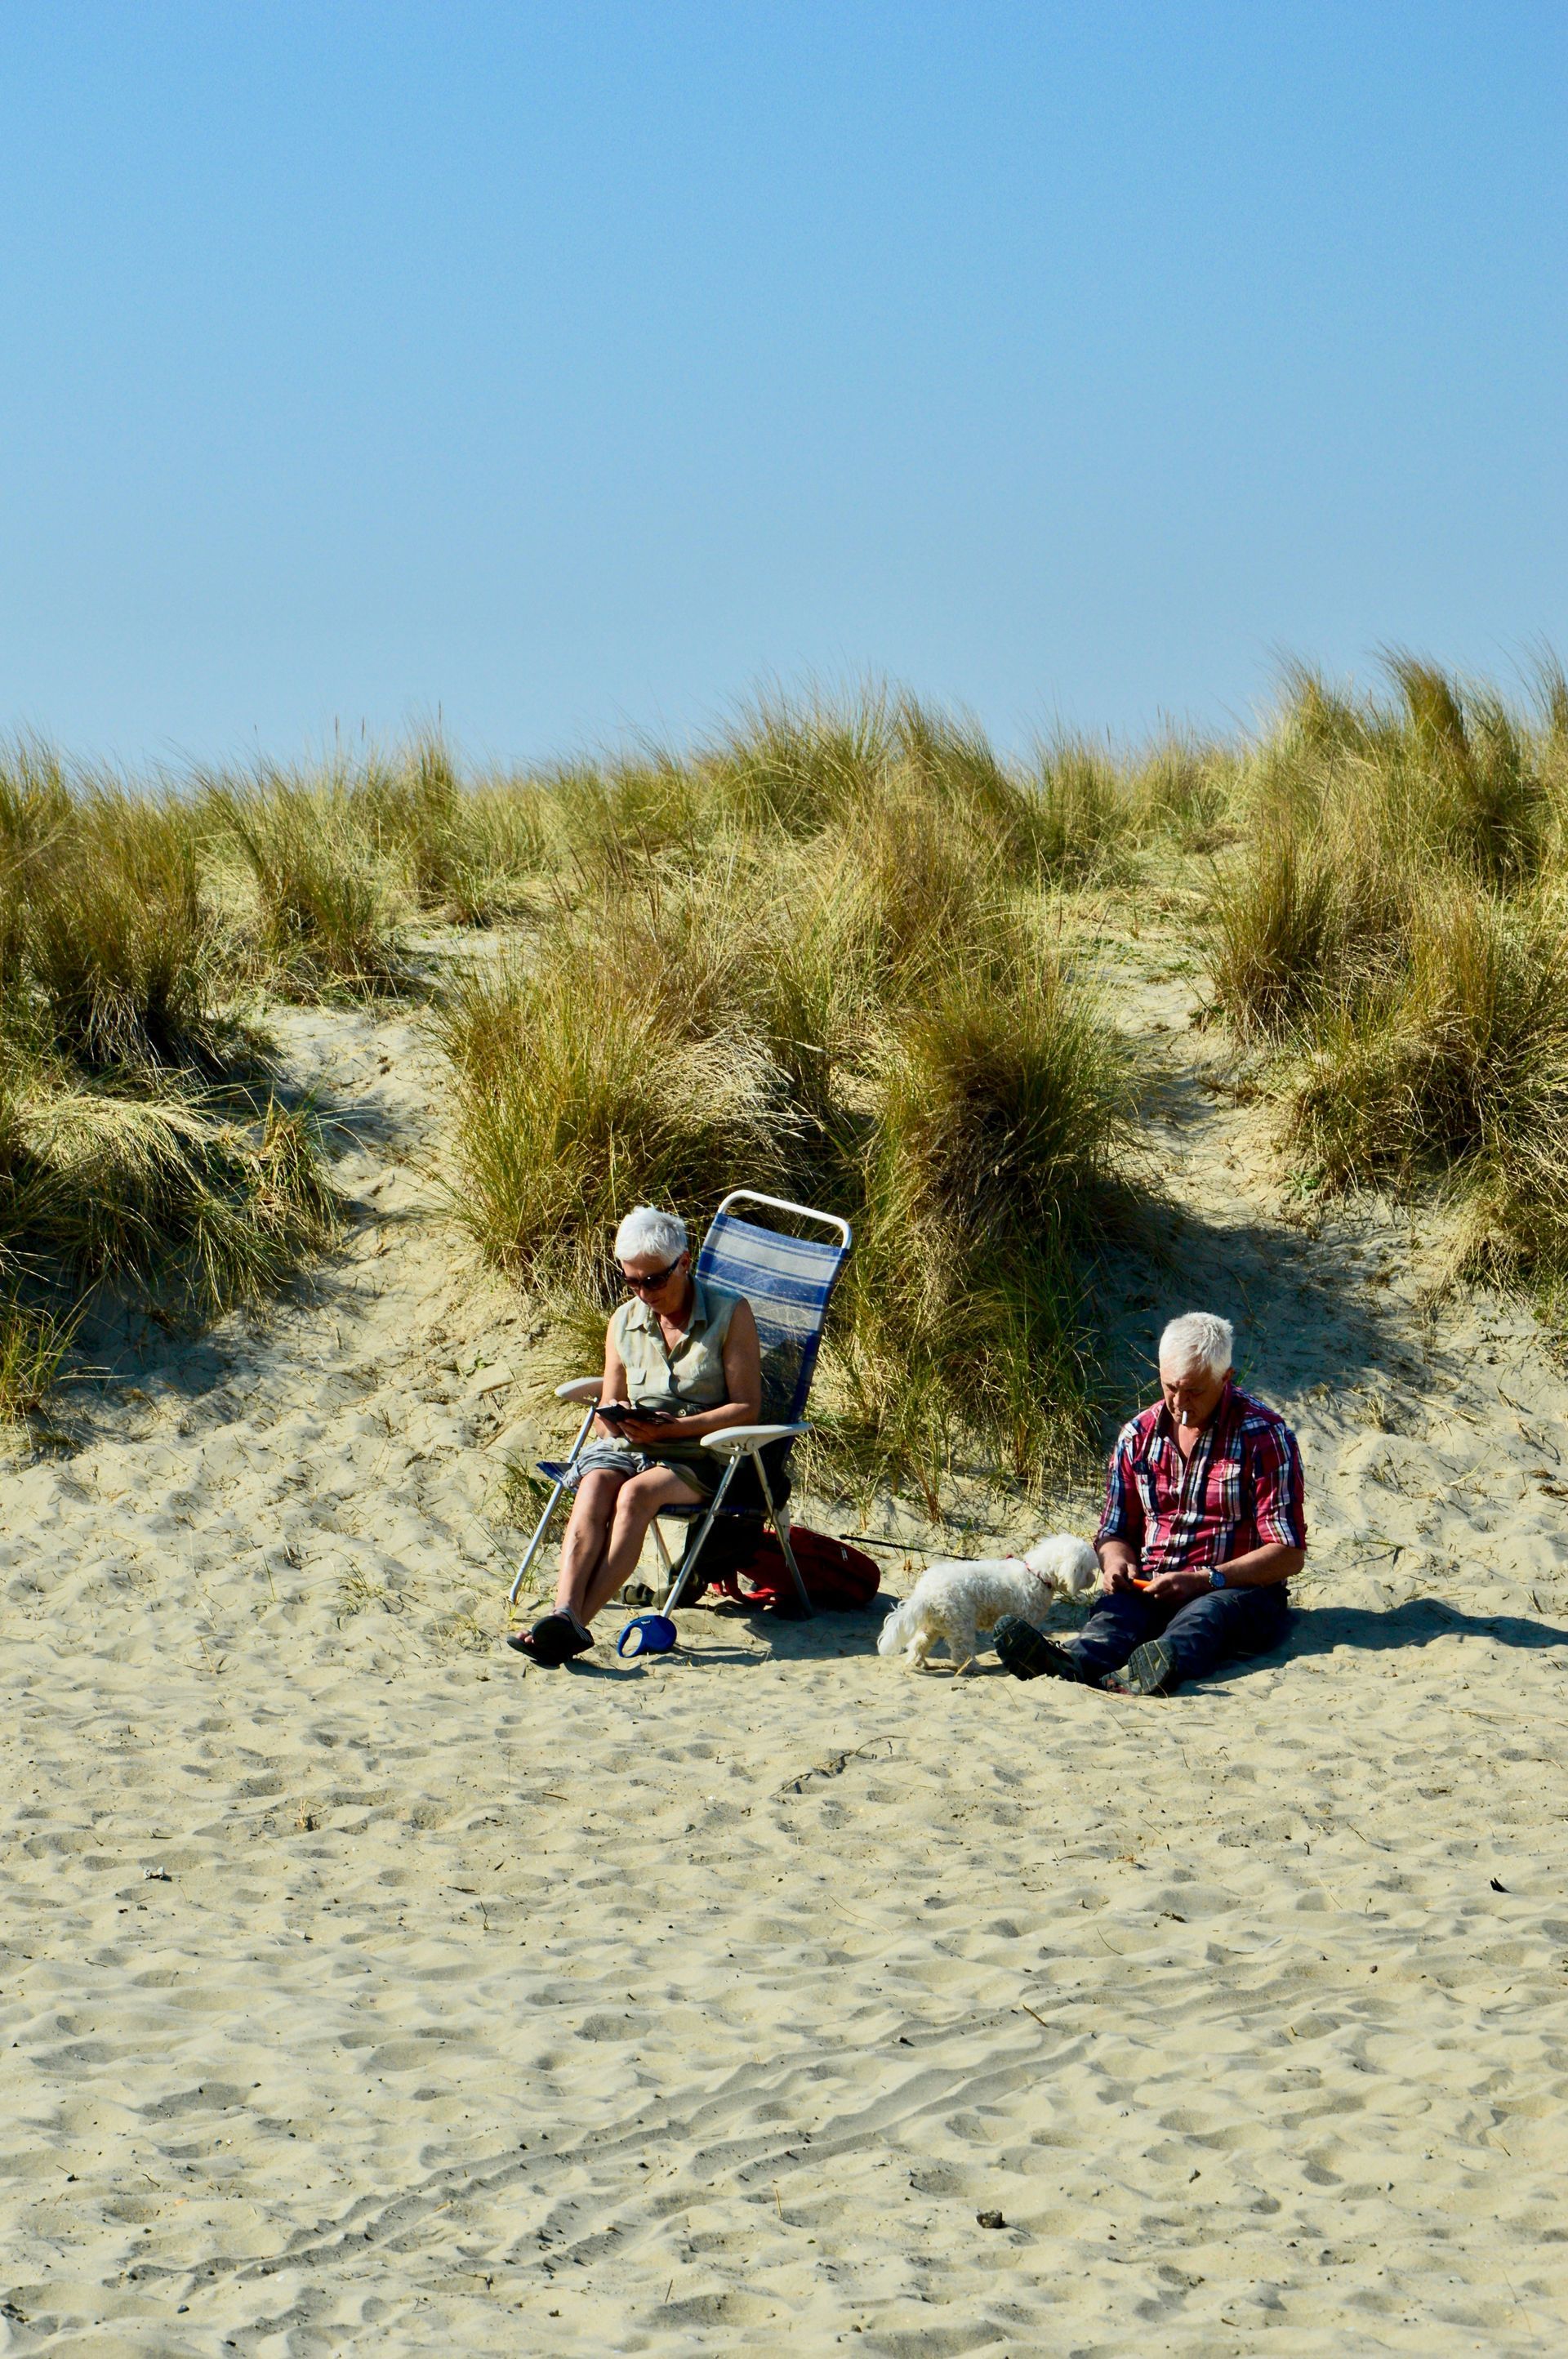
(1176, 1588)
(1118, 1567)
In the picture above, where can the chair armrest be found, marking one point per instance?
(581, 1389)
(737, 1437)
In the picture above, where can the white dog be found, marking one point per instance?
(958, 1599)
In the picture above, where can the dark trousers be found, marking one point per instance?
(1201, 1633)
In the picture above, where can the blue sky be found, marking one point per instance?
(572, 369)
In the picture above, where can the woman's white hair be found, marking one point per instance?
(646, 1231)
(1199, 1339)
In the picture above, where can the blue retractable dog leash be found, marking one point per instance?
(656, 1634)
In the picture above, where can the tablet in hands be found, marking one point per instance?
(617, 1412)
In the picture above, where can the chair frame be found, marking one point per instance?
(735, 1443)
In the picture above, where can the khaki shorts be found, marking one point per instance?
(620, 1458)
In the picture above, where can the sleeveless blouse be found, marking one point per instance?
(690, 1376)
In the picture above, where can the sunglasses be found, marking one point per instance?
(652, 1283)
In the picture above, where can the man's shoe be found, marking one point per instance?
(1028, 1653)
(1150, 1670)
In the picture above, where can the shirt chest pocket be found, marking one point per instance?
(692, 1374)
(1157, 1492)
(1230, 1490)
(648, 1370)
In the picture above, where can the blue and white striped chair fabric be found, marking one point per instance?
(789, 1283)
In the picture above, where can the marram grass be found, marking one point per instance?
(826, 981)
(142, 1149)
(325, 921)
(824, 928)
(817, 952)
(1394, 921)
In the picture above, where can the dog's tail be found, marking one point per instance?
(898, 1629)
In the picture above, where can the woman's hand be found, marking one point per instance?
(641, 1433)
(620, 1420)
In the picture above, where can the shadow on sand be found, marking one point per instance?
(1301, 1320)
(1315, 1630)
(721, 1634)
(1327, 1629)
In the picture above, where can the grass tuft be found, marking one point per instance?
(828, 981)
(1459, 1077)
(160, 1199)
(325, 918)
(122, 1163)
(574, 1099)
(1001, 1118)
(119, 936)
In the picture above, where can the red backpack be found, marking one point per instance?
(838, 1578)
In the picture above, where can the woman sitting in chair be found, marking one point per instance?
(680, 1361)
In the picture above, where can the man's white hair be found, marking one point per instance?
(646, 1231)
(1199, 1339)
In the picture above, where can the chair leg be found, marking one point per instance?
(537, 1543)
(543, 1525)
(659, 1543)
(689, 1559)
(781, 1526)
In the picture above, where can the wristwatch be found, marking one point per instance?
(1217, 1578)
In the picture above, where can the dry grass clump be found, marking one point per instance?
(576, 1099)
(106, 937)
(1394, 924)
(812, 962)
(499, 855)
(1081, 816)
(325, 915)
(1458, 1075)
(462, 853)
(140, 1147)
(1353, 807)
(1183, 795)
(158, 1195)
(414, 806)
(791, 767)
(1304, 929)
(1001, 1118)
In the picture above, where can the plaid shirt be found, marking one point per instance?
(1241, 1488)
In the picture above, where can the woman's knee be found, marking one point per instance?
(595, 1501)
(640, 1499)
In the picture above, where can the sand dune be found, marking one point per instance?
(362, 1989)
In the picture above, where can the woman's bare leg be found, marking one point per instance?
(639, 1502)
(586, 1536)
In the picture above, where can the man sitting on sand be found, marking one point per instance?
(1203, 1528)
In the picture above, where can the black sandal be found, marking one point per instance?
(553, 1640)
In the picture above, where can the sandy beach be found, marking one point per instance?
(365, 1989)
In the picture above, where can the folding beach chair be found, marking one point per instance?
(788, 1281)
